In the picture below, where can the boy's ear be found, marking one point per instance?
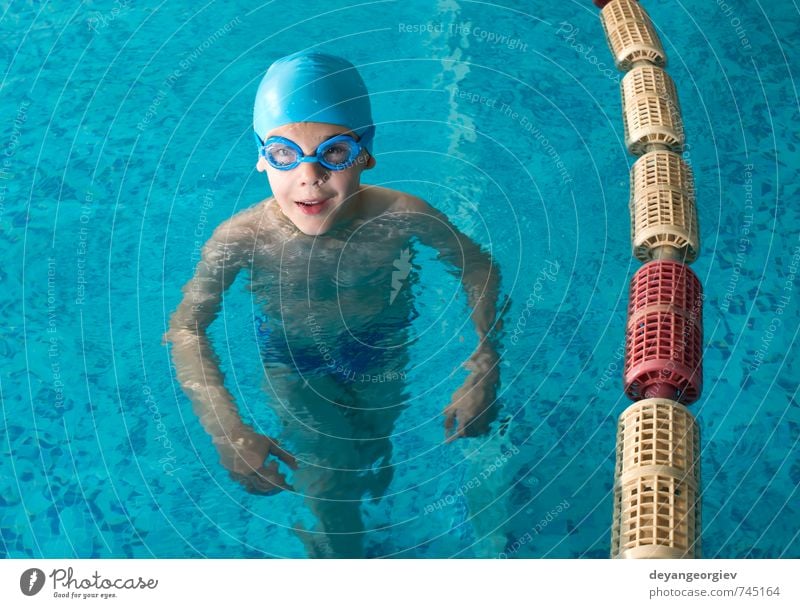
(261, 165)
(370, 163)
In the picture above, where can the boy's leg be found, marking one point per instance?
(340, 430)
(380, 395)
(316, 415)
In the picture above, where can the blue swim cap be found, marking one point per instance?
(313, 87)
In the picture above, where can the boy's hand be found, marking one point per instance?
(473, 405)
(243, 455)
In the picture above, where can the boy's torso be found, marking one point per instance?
(347, 280)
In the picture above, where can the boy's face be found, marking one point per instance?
(330, 197)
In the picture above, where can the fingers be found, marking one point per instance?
(269, 476)
(276, 450)
(470, 428)
(469, 424)
(477, 424)
(449, 421)
(247, 465)
(253, 485)
(452, 419)
(266, 481)
(259, 486)
(451, 438)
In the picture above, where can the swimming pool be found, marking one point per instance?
(127, 139)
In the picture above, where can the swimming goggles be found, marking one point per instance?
(336, 153)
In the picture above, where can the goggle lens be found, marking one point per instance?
(339, 154)
(281, 156)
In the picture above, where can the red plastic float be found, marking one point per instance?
(664, 341)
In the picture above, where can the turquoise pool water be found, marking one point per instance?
(126, 139)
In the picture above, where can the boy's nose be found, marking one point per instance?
(310, 173)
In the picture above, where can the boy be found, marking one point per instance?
(327, 259)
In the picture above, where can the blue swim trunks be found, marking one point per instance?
(368, 353)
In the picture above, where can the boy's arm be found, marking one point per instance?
(196, 363)
(197, 367)
(480, 277)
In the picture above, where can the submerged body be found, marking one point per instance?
(333, 316)
(334, 346)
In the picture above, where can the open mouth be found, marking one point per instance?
(312, 206)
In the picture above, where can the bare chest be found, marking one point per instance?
(344, 284)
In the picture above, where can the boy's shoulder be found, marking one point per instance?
(385, 200)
